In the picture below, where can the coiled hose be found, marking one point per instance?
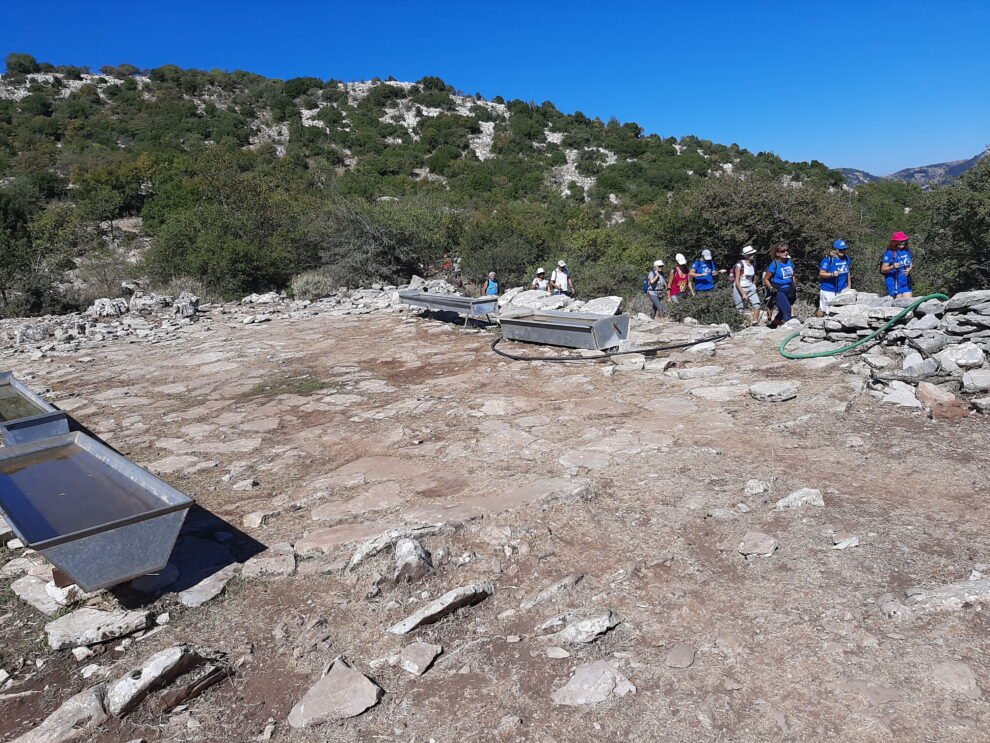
(910, 308)
(607, 354)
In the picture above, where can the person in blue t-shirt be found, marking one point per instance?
(780, 281)
(834, 274)
(492, 286)
(704, 272)
(896, 267)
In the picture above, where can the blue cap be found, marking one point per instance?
(840, 245)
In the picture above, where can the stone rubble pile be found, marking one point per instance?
(928, 360)
(153, 318)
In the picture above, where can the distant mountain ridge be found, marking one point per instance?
(924, 176)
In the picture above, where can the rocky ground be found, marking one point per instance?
(402, 536)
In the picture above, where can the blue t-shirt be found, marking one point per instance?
(783, 273)
(705, 279)
(492, 287)
(899, 259)
(830, 264)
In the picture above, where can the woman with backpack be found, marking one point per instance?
(492, 286)
(779, 279)
(655, 287)
(744, 283)
(896, 266)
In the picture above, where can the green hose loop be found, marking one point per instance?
(910, 308)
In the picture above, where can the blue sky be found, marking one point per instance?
(872, 84)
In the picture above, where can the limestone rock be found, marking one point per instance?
(553, 590)
(929, 394)
(74, 719)
(161, 668)
(771, 391)
(592, 683)
(441, 607)
(901, 394)
(755, 543)
(210, 587)
(964, 355)
(756, 487)
(344, 692)
(88, 626)
(588, 629)
(799, 498)
(603, 306)
(952, 597)
(977, 380)
(412, 561)
(32, 589)
(959, 677)
(417, 657)
(680, 656)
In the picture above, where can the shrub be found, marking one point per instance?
(312, 285)
(709, 308)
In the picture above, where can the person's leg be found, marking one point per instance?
(657, 304)
(737, 298)
(784, 303)
(754, 301)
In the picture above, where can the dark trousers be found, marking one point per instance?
(785, 298)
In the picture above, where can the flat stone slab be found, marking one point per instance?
(774, 391)
(210, 587)
(87, 626)
(377, 469)
(73, 720)
(32, 589)
(127, 692)
(755, 543)
(344, 692)
(680, 656)
(588, 629)
(417, 657)
(323, 541)
(801, 498)
(593, 683)
(278, 561)
(723, 393)
(441, 607)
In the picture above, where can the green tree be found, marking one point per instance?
(21, 64)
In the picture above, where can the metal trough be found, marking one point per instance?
(92, 513)
(570, 329)
(24, 416)
(469, 306)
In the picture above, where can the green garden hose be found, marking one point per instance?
(788, 355)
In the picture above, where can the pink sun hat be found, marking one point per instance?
(899, 237)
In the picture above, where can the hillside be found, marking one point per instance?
(924, 176)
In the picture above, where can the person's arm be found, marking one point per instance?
(766, 280)
(670, 282)
(692, 273)
(691, 284)
(738, 272)
(823, 274)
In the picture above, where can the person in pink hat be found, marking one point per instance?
(896, 266)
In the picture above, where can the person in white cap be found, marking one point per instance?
(561, 281)
(492, 286)
(744, 287)
(704, 271)
(680, 280)
(540, 283)
(655, 287)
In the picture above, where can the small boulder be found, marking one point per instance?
(588, 629)
(756, 544)
(592, 683)
(680, 656)
(771, 391)
(87, 626)
(418, 657)
(800, 498)
(441, 607)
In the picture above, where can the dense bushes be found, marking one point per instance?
(713, 307)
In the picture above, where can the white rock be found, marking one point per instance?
(592, 683)
(441, 607)
(412, 561)
(74, 719)
(210, 587)
(603, 306)
(755, 543)
(756, 487)
(901, 394)
(799, 498)
(771, 391)
(588, 629)
(344, 692)
(88, 626)
(707, 348)
(553, 590)
(32, 589)
(161, 668)
(976, 381)
(417, 657)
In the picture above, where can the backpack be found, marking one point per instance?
(646, 283)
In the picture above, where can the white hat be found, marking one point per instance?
(561, 264)
(539, 271)
(657, 264)
(680, 258)
(749, 250)
(706, 255)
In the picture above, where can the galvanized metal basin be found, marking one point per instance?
(92, 513)
(470, 306)
(570, 329)
(24, 416)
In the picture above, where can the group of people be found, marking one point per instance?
(778, 280)
(560, 282)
